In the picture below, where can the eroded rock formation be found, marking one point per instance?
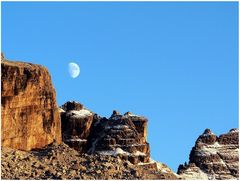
(76, 123)
(123, 135)
(29, 113)
(213, 157)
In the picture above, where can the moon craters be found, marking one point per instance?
(73, 69)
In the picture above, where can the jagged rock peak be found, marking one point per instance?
(207, 132)
(128, 114)
(72, 105)
(208, 137)
(234, 130)
(213, 157)
(115, 113)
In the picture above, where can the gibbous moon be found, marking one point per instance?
(73, 69)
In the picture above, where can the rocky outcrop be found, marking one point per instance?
(120, 136)
(123, 135)
(76, 123)
(87, 132)
(213, 157)
(29, 113)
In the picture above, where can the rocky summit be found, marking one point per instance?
(213, 157)
(43, 141)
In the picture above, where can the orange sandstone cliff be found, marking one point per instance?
(29, 112)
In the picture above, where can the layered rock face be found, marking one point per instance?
(29, 113)
(120, 137)
(76, 123)
(213, 157)
(123, 135)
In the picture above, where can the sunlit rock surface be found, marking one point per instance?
(29, 113)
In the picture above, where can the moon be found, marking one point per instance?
(74, 70)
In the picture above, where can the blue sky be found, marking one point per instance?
(174, 63)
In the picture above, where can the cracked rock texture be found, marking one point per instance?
(76, 125)
(213, 157)
(123, 135)
(29, 113)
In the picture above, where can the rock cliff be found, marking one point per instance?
(76, 125)
(87, 132)
(213, 157)
(123, 135)
(29, 113)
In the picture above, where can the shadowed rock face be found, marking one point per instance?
(120, 135)
(76, 124)
(72, 105)
(30, 117)
(213, 157)
(123, 135)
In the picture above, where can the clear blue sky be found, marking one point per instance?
(174, 63)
